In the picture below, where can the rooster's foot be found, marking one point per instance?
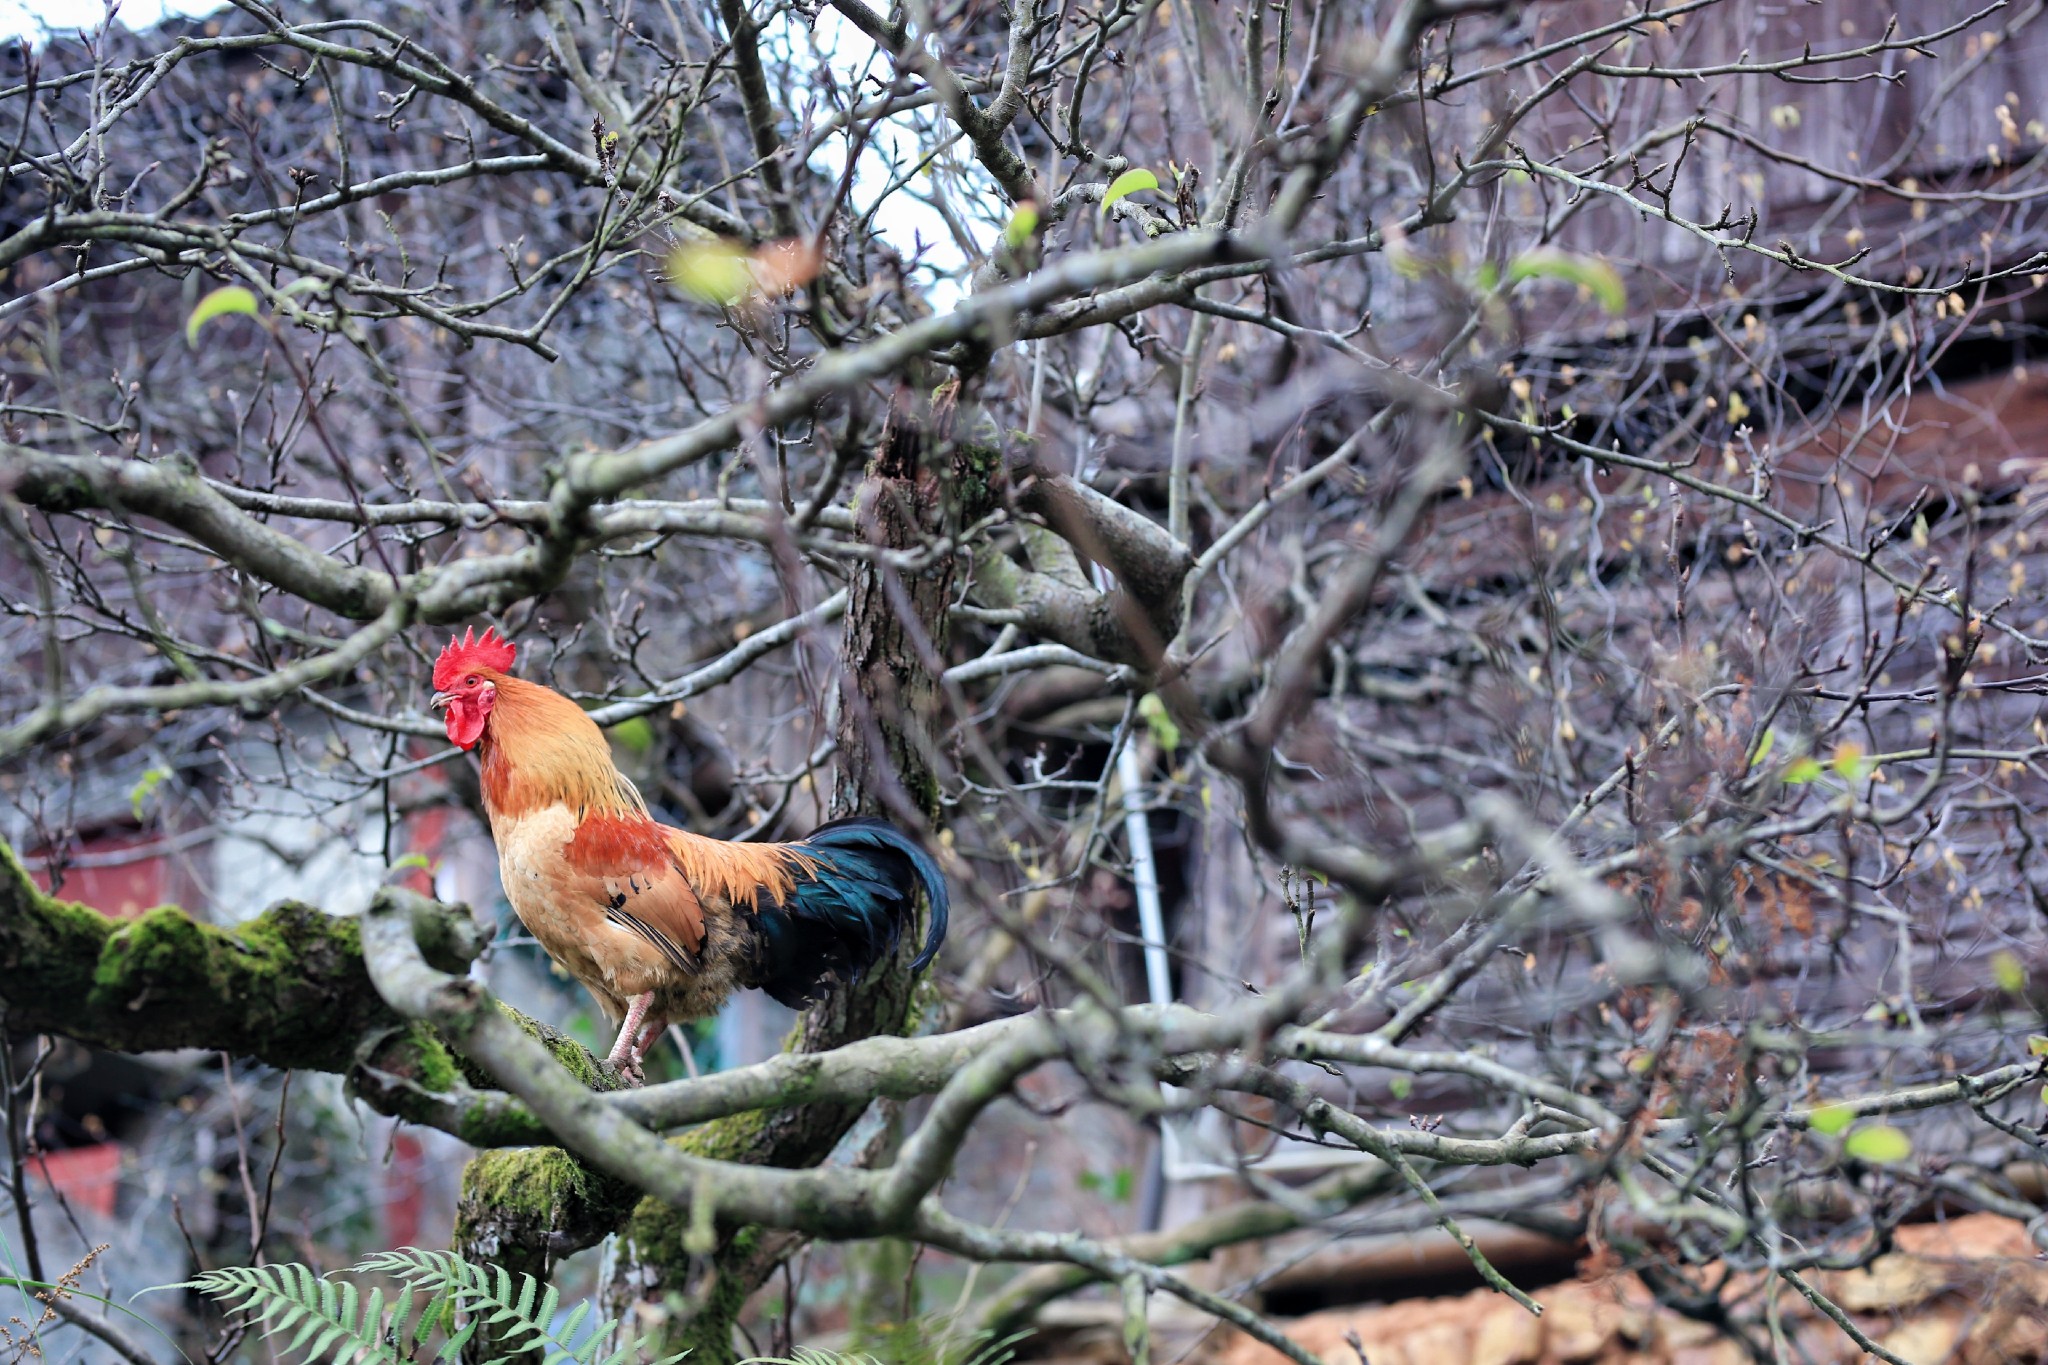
(627, 1050)
(626, 1062)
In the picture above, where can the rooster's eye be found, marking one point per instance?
(474, 681)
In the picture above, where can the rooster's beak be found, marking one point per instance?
(440, 700)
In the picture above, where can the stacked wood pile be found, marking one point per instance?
(1972, 1291)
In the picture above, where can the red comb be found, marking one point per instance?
(488, 650)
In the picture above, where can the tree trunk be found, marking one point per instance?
(920, 485)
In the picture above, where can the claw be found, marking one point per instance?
(627, 1056)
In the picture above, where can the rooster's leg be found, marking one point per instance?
(625, 1056)
(657, 1024)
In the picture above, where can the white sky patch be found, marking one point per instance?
(906, 215)
(35, 18)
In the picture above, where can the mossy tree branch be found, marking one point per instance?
(418, 1041)
(289, 989)
(702, 1194)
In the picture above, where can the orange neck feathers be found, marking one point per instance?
(540, 750)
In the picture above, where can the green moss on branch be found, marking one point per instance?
(575, 1058)
(526, 1207)
(288, 988)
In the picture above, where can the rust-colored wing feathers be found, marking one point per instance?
(646, 915)
(628, 905)
(656, 880)
(640, 884)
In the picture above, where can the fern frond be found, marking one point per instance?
(451, 1354)
(416, 1267)
(811, 1355)
(628, 1352)
(922, 1341)
(986, 1349)
(329, 1322)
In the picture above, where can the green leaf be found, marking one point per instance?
(452, 1352)
(1590, 273)
(635, 735)
(1153, 712)
(714, 271)
(2008, 972)
(411, 862)
(1127, 184)
(1802, 770)
(229, 298)
(145, 787)
(1022, 224)
(2037, 1046)
(1831, 1119)
(1880, 1144)
(1764, 746)
(1400, 1087)
(1850, 763)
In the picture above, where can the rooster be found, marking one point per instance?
(660, 924)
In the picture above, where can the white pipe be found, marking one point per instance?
(1144, 877)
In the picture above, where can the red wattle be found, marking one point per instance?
(465, 724)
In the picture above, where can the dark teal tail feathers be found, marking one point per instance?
(851, 915)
